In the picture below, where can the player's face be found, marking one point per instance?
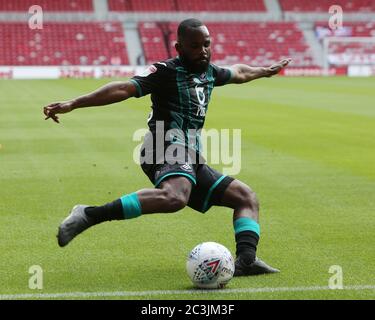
(195, 49)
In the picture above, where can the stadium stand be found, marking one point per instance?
(183, 5)
(47, 5)
(63, 44)
(359, 53)
(257, 32)
(354, 53)
(323, 5)
(349, 29)
(252, 43)
(221, 5)
(154, 45)
(141, 5)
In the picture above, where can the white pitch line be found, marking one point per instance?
(173, 292)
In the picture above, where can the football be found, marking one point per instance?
(210, 265)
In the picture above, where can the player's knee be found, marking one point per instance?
(173, 200)
(248, 198)
(176, 202)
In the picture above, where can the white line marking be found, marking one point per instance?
(173, 292)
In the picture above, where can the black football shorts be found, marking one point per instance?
(209, 185)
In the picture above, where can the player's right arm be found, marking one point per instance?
(110, 93)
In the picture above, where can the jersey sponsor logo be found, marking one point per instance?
(186, 167)
(201, 111)
(200, 95)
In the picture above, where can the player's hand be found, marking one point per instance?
(277, 67)
(53, 109)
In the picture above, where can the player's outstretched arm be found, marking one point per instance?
(110, 93)
(242, 73)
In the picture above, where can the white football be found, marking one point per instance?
(210, 265)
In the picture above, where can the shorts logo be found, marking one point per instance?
(186, 167)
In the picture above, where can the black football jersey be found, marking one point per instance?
(179, 98)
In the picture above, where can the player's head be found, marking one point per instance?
(194, 44)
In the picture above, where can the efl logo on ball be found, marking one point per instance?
(210, 265)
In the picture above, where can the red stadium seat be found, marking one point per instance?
(323, 5)
(183, 5)
(63, 44)
(342, 53)
(251, 43)
(221, 5)
(141, 5)
(47, 5)
(352, 29)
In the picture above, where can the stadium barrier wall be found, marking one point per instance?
(314, 71)
(361, 71)
(59, 72)
(97, 72)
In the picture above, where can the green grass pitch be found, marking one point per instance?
(308, 150)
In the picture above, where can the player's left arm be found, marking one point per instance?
(242, 73)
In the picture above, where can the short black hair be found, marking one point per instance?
(188, 24)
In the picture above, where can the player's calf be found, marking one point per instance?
(171, 197)
(247, 230)
(244, 201)
(245, 219)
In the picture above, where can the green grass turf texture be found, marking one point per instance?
(308, 150)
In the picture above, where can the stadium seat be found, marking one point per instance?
(251, 43)
(63, 44)
(221, 5)
(349, 52)
(350, 29)
(47, 5)
(141, 5)
(183, 5)
(323, 5)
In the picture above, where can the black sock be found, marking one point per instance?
(246, 245)
(107, 212)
